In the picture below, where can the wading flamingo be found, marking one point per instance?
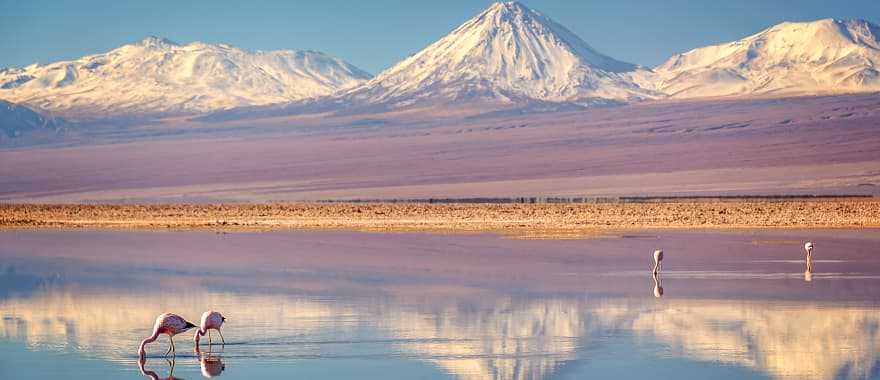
(808, 246)
(211, 320)
(808, 273)
(658, 261)
(168, 324)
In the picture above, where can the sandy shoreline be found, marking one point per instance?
(522, 220)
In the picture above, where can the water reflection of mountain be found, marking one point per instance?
(505, 340)
(110, 324)
(786, 341)
(13, 282)
(497, 338)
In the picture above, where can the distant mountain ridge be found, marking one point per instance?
(797, 58)
(508, 55)
(158, 76)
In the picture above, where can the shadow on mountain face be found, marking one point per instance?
(17, 121)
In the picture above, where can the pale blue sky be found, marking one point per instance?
(375, 34)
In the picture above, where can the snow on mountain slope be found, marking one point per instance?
(792, 58)
(159, 76)
(507, 52)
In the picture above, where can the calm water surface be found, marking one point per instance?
(734, 305)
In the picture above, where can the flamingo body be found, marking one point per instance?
(808, 274)
(658, 260)
(169, 324)
(211, 320)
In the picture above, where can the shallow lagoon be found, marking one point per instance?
(358, 305)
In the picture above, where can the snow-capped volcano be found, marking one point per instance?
(159, 76)
(825, 56)
(505, 53)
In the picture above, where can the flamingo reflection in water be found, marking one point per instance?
(152, 374)
(658, 285)
(212, 365)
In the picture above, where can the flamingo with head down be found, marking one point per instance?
(168, 324)
(211, 320)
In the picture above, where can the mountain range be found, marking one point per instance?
(158, 76)
(508, 54)
(792, 58)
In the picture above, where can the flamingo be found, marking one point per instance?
(211, 320)
(808, 274)
(658, 261)
(169, 324)
(808, 246)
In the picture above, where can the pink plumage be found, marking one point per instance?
(168, 324)
(211, 320)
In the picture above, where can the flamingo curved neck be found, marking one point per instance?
(199, 334)
(149, 339)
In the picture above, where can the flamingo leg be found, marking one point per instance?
(173, 350)
(169, 347)
(209, 338)
(221, 337)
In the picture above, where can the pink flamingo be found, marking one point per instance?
(658, 261)
(808, 273)
(169, 324)
(211, 320)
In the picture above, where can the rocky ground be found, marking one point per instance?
(521, 220)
